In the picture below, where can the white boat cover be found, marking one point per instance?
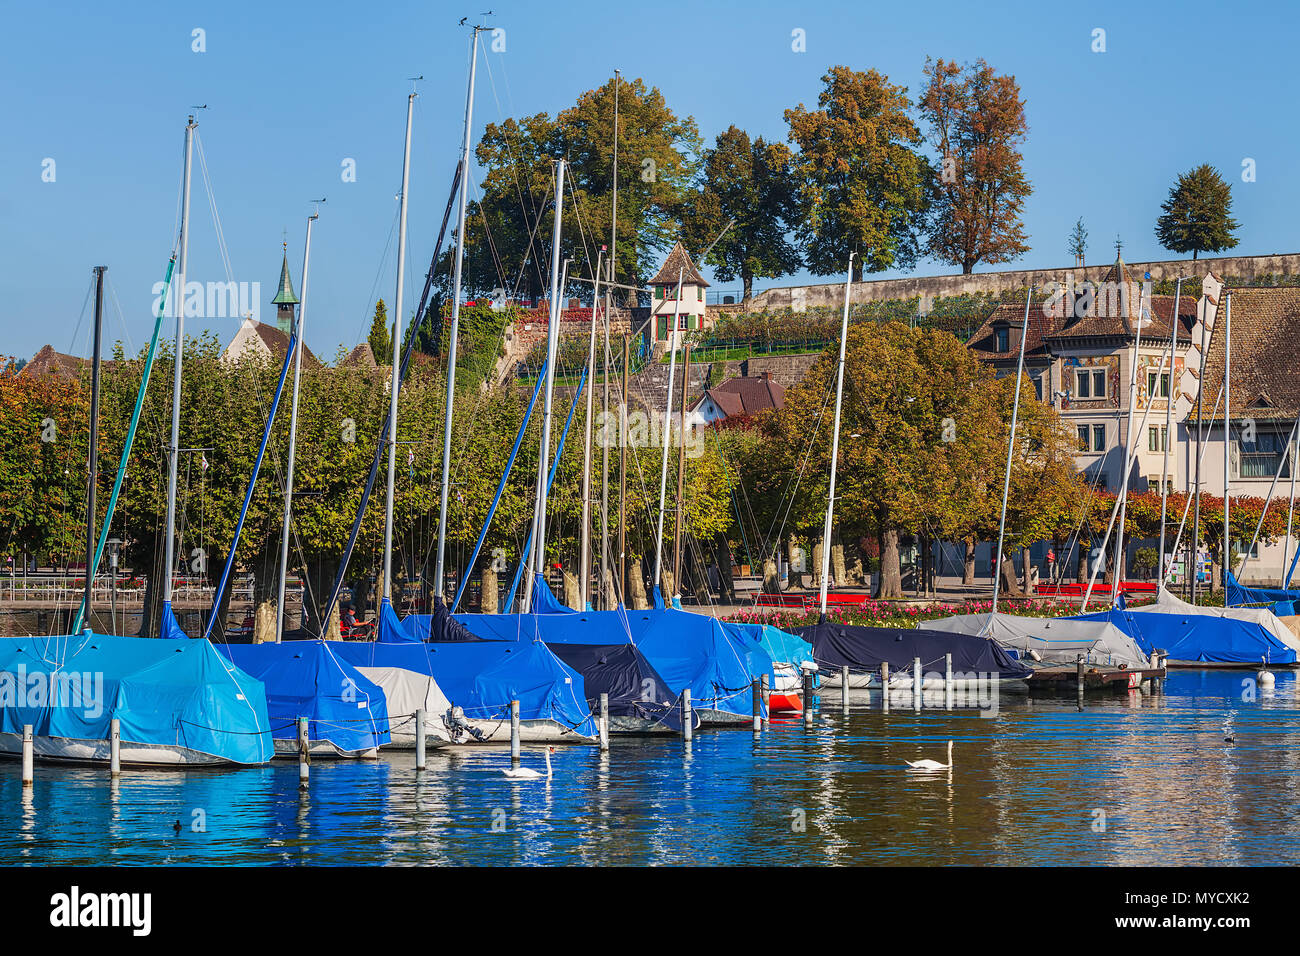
(407, 692)
(1054, 640)
(1168, 603)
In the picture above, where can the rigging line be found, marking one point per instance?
(126, 332)
(76, 331)
(216, 216)
(487, 233)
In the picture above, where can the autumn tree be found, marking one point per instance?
(1197, 214)
(380, 339)
(750, 182)
(977, 123)
(862, 183)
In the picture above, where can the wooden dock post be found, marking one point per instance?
(916, 683)
(686, 714)
(514, 734)
(114, 747)
(767, 698)
(884, 683)
(419, 738)
(304, 754)
(604, 722)
(807, 697)
(844, 688)
(758, 705)
(28, 756)
(948, 689)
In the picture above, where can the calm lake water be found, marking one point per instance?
(1134, 779)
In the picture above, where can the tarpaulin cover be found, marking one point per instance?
(865, 648)
(1054, 640)
(1198, 638)
(307, 679)
(438, 626)
(169, 628)
(635, 689)
(483, 677)
(1167, 603)
(688, 650)
(781, 646)
(403, 672)
(1238, 593)
(177, 693)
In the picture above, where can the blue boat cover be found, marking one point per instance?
(635, 689)
(438, 626)
(866, 648)
(483, 677)
(781, 646)
(178, 693)
(1238, 593)
(307, 679)
(169, 629)
(687, 650)
(1203, 638)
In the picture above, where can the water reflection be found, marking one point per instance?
(1135, 778)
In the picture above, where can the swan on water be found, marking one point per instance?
(928, 764)
(527, 773)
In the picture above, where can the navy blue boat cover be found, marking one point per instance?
(177, 693)
(865, 648)
(307, 679)
(438, 626)
(635, 689)
(1238, 593)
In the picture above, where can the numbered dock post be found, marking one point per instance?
(604, 722)
(419, 739)
(28, 756)
(686, 714)
(767, 698)
(114, 747)
(514, 733)
(916, 683)
(807, 697)
(304, 754)
(948, 687)
(758, 705)
(844, 688)
(1078, 673)
(884, 683)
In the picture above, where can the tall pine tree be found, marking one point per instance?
(1196, 215)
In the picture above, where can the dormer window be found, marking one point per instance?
(1002, 339)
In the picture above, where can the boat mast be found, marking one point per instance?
(285, 528)
(173, 449)
(1120, 568)
(622, 475)
(584, 559)
(663, 437)
(537, 556)
(681, 475)
(438, 579)
(1169, 418)
(386, 582)
(94, 443)
(835, 437)
(1011, 449)
(603, 590)
(1227, 433)
(1195, 561)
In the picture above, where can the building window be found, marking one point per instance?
(1157, 384)
(1265, 457)
(1038, 387)
(1092, 437)
(1156, 438)
(1090, 383)
(1002, 339)
(701, 290)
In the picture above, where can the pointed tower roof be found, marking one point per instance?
(285, 296)
(677, 261)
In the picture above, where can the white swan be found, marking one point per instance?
(928, 764)
(527, 773)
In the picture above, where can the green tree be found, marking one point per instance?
(1197, 214)
(977, 121)
(1079, 241)
(380, 339)
(752, 183)
(863, 185)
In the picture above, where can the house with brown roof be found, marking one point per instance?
(49, 362)
(736, 397)
(258, 340)
(685, 313)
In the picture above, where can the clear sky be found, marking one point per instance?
(294, 89)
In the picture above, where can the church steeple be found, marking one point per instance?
(285, 299)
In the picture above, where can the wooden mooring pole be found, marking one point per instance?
(514, 734)
(114, 747)
(28, 756)
(419, 739)
(686, 714)
(758, 705)
(604, 722)
(807, 697)
(304, 754)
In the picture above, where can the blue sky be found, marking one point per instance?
(295, 88)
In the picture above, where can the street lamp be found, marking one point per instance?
(114, 548)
